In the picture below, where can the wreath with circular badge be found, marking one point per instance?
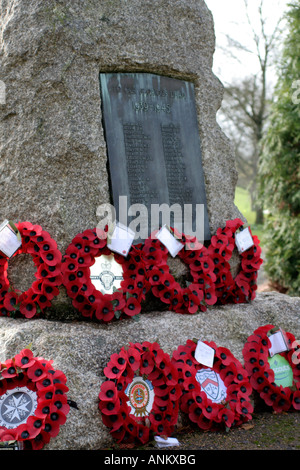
(141, 394)
(93, 303)
(199, 290)
(242, 288)
(47, 258)
(217, 397)
(276, 378)
(33, 400)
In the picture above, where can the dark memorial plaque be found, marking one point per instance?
(154, 152)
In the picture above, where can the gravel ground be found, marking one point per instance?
(266, 431)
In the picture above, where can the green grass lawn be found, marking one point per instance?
(243, 203)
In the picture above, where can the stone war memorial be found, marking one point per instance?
(128, 277)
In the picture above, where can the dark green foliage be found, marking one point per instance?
(280, 166)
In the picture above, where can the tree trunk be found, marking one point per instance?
(259, 217)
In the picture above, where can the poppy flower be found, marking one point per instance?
(227, 416)
(195, 413)
(37, 372)
(142, 434)
(29, 430)
(51, 257)
(40, 440)
(209, 411)
(192, 244)
(29, 230)
(43, 301)
(48, 290)
(133, 358)
(119, 360)
(210, 297)
(192, 297)
(112, 371)
(51, 428)
(24, 359)
(10, 301)
(147, 364)
(296, 400)
(118, 301)
(109, 407)
(133, 307)
(157, 421)
(7, 435)
(108, 391)
(45, 271)
(219, 240)
(156, 276)
(10, 369)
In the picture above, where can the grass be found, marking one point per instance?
(243, 202)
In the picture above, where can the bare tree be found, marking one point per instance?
(245, 107)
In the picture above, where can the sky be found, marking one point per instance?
(230, 18)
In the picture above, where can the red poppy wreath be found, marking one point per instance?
(243, 287)
(213, 397)
(276, 378)
(47, 258)
(199, 291)
(141, 393)
(93, 303)
(33, 400)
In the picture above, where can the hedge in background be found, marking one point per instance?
(280, 167)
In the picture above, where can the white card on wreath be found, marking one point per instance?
(278, 343)
(169, 241)
(121, 239)
(9, 241)
(243, 240)
(204, 354)
(166, 442)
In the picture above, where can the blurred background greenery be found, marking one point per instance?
(243, 203)
(258, 60)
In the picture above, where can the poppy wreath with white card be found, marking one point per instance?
(215, 397)
(199, 290)
(90, 285)
(275, 377)
(242, 288)
(33, 400)
(47, 259)
(140, 395)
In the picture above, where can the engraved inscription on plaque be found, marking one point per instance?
(175, 166)
(153, 143)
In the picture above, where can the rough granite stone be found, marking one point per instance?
(53, 172)
(81, 350)
(53, 167)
